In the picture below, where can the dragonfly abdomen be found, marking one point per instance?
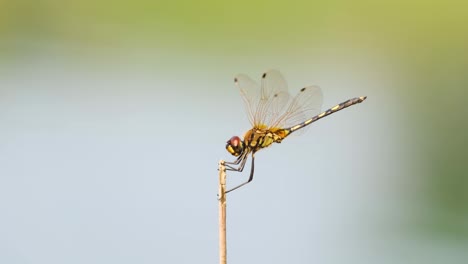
(330, 111)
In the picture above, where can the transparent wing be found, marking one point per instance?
(306, 104)
(250, 93)
(274, 98)
(265, 103)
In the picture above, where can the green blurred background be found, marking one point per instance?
(409, 57)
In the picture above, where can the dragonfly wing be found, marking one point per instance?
(265, 103)
(274, 97)
(250, 93)
(306, 104)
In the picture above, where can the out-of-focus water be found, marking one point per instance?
(113, 117)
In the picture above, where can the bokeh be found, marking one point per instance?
(113, 115)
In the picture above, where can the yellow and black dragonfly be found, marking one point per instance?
(274, 114)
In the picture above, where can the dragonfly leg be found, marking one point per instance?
(242, 159)
(250, 177)
(236, 161)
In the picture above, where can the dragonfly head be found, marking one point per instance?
(235, 146)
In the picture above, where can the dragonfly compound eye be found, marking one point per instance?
(235, 146)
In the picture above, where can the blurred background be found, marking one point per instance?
(114, 114)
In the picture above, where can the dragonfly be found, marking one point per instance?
(274, 115)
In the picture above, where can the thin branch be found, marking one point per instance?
(222, 212)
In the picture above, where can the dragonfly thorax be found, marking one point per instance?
(259, 138)
(235, 146)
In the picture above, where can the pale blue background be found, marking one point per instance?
(110, 135)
